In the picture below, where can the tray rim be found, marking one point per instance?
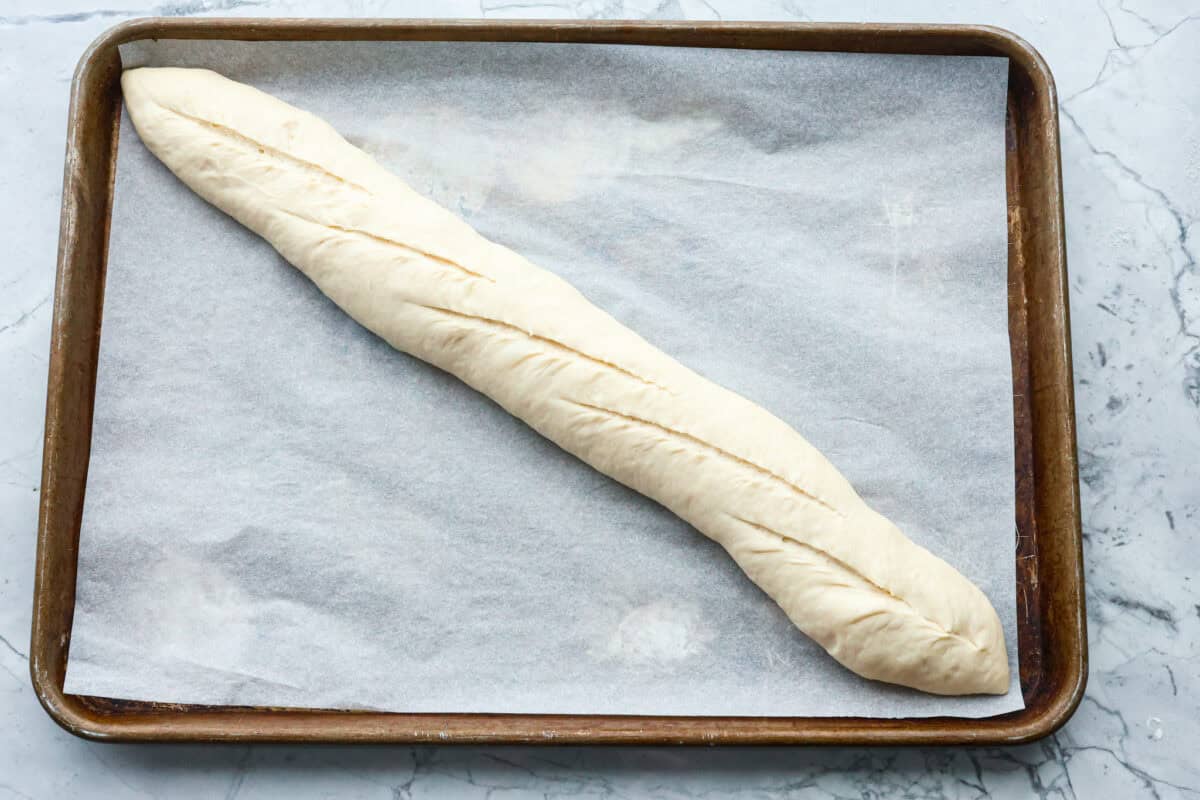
(93, 722)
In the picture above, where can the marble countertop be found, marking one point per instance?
(1130, 107)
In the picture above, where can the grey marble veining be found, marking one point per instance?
(1130, 108)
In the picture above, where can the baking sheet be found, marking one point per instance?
(281, 510)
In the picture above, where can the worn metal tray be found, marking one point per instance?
(1051, 630)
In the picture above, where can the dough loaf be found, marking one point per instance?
(431, 286)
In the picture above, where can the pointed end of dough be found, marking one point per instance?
(994, 675)
(151, 92)
(133, 82)
(142, 86)
(137, 80)
(961, 670)
(158, 82)
(989, 673)
(967, 662)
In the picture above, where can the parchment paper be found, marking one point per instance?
(281, 510)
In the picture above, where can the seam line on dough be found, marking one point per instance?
(389, 242)
(838, 563)
(246, 141)
(544, 340)
(710, 446)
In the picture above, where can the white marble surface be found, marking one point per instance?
(1126, 72)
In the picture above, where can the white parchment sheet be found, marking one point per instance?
(282, 510)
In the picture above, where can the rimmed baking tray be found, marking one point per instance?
(1051, 623)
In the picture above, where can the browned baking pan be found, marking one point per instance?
(1051, 633)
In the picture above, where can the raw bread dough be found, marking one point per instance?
(427, 283)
